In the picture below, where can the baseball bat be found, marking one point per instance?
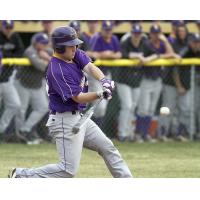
(88, 114)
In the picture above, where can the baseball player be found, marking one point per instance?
(183, 86)
(128, 85)
(29, 85)
(151, 85)
(104, 45)
(67, 90)
(11, 46)
(171, 97)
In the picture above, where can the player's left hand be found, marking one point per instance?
(107, 84)
(105, 94)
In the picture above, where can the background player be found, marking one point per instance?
(11, 46)
(67, 90)
(104, 45)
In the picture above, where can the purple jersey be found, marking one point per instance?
(65, 80)
(98, 44)
(154, 72)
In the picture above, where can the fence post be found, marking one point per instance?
(192, 110)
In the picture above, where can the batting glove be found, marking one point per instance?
(107, 84)
(105, 94)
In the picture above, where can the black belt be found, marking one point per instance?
(74, 112)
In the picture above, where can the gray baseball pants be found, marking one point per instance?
(150, 93)
(69, 147)
(129, 99)
(39, 102)
(11, 100)
(174, 101)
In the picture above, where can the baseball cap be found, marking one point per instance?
(107, 25)
(8, 24)
(155, 28)
(76, 25)
(178, 22)
(40, 38)
(195, 37)
(136, 28)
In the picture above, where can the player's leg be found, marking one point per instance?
(132, 120)
(156, 91)
(96, 140)
(24, 95)
(39, 104)
(125, 97)
(185, 110)
(11, 102)
(170, 99)
(69, 147)
(144, 118)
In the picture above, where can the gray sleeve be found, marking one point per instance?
(35, 60)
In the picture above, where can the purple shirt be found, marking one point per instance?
(98, 44)
(65, 80)
(154, 72)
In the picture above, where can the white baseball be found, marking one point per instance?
(164, 111)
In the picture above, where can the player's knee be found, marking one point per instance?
(127, 106)
(16, 105)
(107, 148)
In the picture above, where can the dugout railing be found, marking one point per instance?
(131, 63)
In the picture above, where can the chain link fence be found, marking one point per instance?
(141, 89)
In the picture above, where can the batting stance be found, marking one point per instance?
(67, 90)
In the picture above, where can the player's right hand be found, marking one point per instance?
(107, 84)
(105, 94)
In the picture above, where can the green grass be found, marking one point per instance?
(145, 160)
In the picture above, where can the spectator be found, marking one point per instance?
(171, 98)
(183, 86)
(11, 46)
(151, 85)
(128, 86)
(104, 45)
(30, 88)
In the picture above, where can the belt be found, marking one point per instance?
(74, 112)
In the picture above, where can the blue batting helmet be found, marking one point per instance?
(64, 36)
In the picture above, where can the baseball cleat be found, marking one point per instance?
(12, 173)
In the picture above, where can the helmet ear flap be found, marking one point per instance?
(60, 49)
